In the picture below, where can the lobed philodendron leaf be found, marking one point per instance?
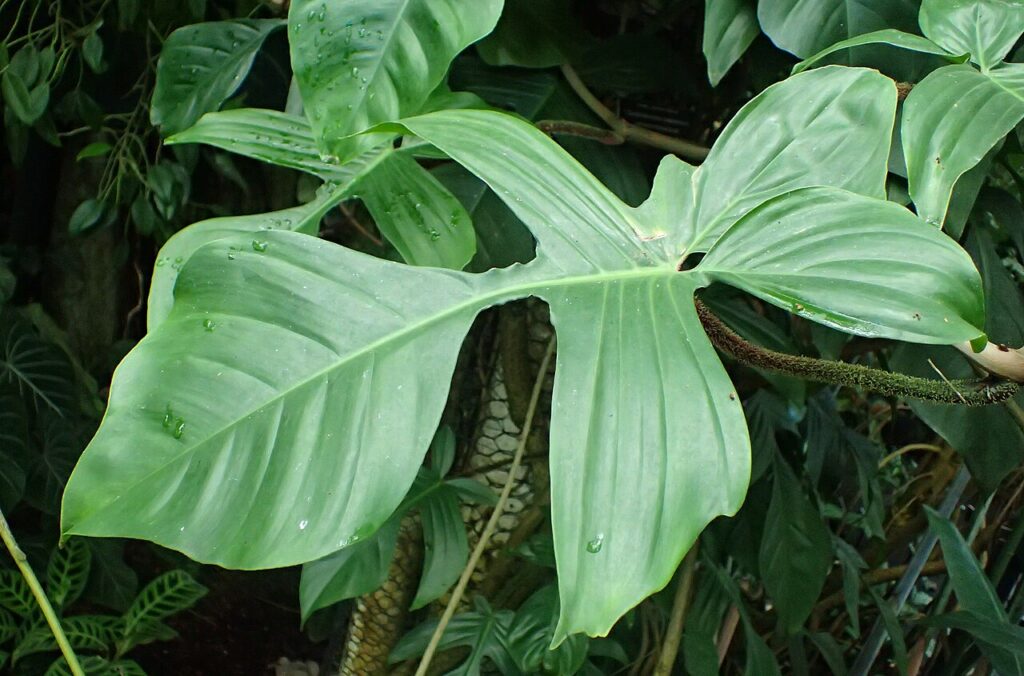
(361, 62)
(985, 29)
(295, 427)
(202, 65)
(951, 120)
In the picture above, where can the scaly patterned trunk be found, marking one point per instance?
(379, 618)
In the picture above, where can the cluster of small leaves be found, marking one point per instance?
(103, 640)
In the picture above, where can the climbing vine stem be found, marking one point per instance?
(492, 523)
(37, 591)
(967, 392)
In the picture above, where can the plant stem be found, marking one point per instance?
(492, 523)
(854, 375)
(628, 131)
(37, 591)
(681, 603)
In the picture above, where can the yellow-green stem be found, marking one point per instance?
(492, 523)
(37, 591)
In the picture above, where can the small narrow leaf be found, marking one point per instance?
(974, 592)
(268, 135)
(886, 36)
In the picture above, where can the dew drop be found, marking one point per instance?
(303, 524)
(179, 428)
(434, 235)
(594, 546)
(209, 325)
(259, 245)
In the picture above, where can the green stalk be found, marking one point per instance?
(37, 591)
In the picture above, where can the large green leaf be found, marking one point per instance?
(985, 29)
(360, 62)
(266, 439)
(805, 27)
(729, 28)
(202, 65)
(951, 119)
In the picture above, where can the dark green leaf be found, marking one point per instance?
(796, 552)
(974, 592)
(533, 34)
(86, 216)
(999, 640)
(168, 594)
(98, 149)
(349, 572)
(202, 65)
(445, 545)
(92, 52)
(28, 104)
(67, 572)
(729, 28)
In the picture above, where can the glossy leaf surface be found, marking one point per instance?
(363, 62)
(833, 249)
(202, 65)
(951, 120)
(805, 27)
(886, 36)
(985, 29)
(268, 135)
(729, 28)
(425, 223)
